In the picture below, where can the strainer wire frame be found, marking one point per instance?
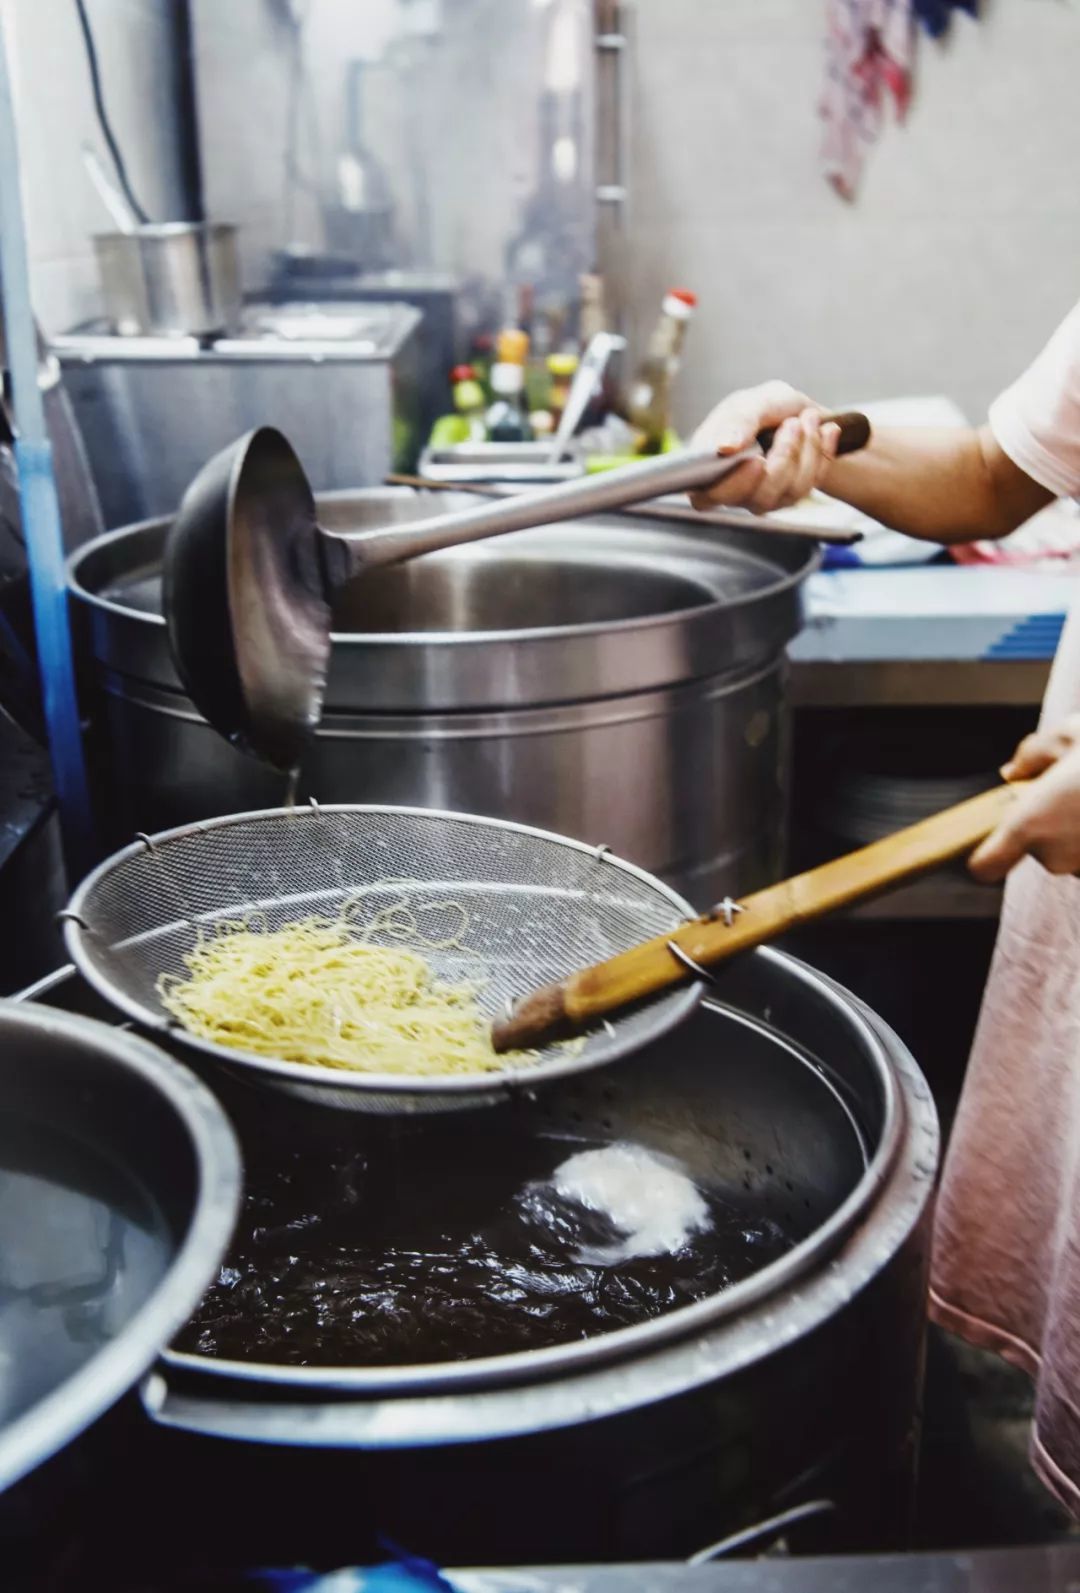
(668, 1011)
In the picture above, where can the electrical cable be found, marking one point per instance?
(103, 115)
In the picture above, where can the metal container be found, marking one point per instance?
(121, 1182)
(615, 680)
(797, 1390)
(173, 279)
(299, 277)
(523, 463)
(340, 382)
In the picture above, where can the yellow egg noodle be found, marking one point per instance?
(321, 991)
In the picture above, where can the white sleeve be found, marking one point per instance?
(1036, 421)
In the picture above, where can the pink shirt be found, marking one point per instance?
(1037, 420)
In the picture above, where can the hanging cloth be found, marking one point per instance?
(869, 48)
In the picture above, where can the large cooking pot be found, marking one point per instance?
(794, 1390)
(613, 680)
(119, 1186)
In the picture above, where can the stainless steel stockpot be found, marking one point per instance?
(616, 680)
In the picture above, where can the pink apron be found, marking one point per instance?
(1006, 1272)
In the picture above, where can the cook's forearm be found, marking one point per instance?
(943, 484)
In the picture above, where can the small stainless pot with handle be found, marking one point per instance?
(173, 279)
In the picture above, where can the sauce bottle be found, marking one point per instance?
(508, 416)
(648, 400)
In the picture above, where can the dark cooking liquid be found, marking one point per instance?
(390, 1257)
(80, 1250)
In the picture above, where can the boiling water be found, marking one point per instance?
(80, 1250)
(648, 1199)
(394, 1256)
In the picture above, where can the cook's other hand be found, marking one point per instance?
(1045, 821)
(796, 462)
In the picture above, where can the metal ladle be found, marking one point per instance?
(250, 575)
(112, 197)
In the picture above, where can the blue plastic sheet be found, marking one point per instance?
(405, 1573)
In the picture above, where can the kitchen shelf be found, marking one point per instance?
(930, 683)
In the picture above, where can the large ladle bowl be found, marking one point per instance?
(250, 575)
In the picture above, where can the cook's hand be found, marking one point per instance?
(796, 462)
(1045, 820)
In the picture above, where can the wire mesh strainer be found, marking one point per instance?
(538, 907)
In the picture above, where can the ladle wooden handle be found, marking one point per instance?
(651, 967)
(854, 432)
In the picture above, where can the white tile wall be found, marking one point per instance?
(472, 115)
(248, 65)
(951, 268)
(959, 255)
(55, 112)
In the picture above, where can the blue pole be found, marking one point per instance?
(39, 502)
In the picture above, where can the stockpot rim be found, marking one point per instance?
(787, 584)
(155, 231)
(56, 1419)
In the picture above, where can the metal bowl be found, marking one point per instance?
(121, 1180)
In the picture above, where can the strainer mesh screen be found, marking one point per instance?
(537, 907)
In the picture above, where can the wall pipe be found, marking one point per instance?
(39, 502)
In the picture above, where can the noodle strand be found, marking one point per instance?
(320, 991)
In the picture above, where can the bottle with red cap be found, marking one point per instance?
(648, 398)
(469, 401)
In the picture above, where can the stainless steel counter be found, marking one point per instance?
(1053, 1569)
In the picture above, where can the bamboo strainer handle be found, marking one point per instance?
(651, 967)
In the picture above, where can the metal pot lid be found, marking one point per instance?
(599, 607)
(119, 1187)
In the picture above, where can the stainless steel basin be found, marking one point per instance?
(531, 589)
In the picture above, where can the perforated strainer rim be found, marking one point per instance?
(670, 1010)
